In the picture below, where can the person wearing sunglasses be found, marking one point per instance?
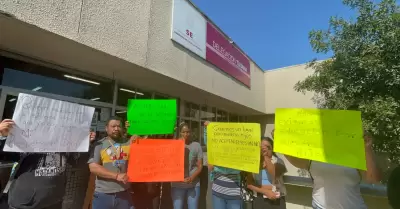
(268, 183)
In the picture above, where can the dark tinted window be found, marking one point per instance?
(28, 76)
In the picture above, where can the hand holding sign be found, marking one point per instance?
(122, 177)
(5, 126)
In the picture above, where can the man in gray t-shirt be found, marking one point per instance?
(109, 161)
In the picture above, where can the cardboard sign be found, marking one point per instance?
(331, 136)
(234, 145)
(148, 117)
(156, 160)
(49, 125)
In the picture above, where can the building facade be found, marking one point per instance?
(102, 53)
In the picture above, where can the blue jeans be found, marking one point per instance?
(191, 195)
(221, 203)
(119, 200)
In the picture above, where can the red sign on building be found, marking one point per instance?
(226, 56)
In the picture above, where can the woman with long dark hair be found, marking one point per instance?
(188, 190)
(268, 184)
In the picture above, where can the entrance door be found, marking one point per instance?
(77, 177)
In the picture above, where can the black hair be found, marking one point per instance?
(243, 186)
(268, 139)
(181, 125)
(113, 118)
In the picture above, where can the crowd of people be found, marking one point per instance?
(39, 179)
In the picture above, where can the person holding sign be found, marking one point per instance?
(108, 161)
(335, 186)
(263, 183)
(226, 190)
(188, 190)
(38, 180)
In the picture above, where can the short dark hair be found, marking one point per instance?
(113, 118)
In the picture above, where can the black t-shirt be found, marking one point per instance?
(39, 180)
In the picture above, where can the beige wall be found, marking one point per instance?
(137, 33)
(279, 91)
(279, 84)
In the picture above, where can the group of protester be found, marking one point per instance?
(38, 181)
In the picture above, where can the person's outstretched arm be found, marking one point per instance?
(265, 189)
(372, 174)
(298, 163)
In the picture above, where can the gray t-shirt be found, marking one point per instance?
(113, 158)
(193, 153)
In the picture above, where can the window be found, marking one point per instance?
(222, 116)
(206, 115)
(121, 114)
(242, 119)
(233, 118)
(160, 96)
(33, 77)
(126, 93)
(191, 116)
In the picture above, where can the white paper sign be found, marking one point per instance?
(48, 125)
(189, 27)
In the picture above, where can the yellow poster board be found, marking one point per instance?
(332, 136)
(234, 145)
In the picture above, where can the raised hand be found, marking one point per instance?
(5, 126)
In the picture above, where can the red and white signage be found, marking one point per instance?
(194, 32)
(188, 27)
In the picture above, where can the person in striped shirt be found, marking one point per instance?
(226, 190)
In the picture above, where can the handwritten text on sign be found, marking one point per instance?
(151, 116)
(48, 125)
(332, 136)
(234, 145)
(153, 160)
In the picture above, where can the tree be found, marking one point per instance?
(364, 71)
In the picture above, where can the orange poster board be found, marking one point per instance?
(156, 160)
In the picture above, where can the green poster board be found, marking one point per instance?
(148, 117)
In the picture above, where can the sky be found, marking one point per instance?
(274, 33)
